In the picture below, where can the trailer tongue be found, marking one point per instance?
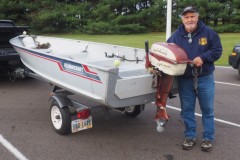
(165, 60)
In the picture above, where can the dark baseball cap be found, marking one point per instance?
(188, 9)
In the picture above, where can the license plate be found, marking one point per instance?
(81, 124)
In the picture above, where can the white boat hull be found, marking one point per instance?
(83, 68)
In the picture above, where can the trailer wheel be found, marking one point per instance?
(133, 111)
(60, 118)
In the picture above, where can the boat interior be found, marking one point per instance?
(95, 54)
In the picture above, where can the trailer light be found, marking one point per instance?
(234, 53)
(83, 114)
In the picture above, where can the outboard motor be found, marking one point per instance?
(164, 61)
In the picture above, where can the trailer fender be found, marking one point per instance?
(62, 100)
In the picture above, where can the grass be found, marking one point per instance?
(137, 40)
(228, 41)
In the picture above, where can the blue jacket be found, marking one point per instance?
(205, 43)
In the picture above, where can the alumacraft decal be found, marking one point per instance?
(65, 65)
(73, 67)
(79, 69)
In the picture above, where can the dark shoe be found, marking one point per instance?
(189, 143)
(206, 146)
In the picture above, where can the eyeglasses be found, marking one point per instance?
(189, 38)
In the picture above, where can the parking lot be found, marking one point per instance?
(26, 131)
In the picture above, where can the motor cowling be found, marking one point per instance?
(164, 61)
(168, 58)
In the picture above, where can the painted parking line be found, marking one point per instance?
(226, 67)
(216, 119)
(232, 84)
(12, 149)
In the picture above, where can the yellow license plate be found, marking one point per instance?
(81, 124)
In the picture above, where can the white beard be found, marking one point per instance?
(190, 27)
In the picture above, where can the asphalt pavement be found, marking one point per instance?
(26, 131)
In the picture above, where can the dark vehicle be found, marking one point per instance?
(234, 58)
(10, 62)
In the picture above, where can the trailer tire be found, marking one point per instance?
(133, 111)
(60, 118)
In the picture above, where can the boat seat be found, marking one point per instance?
(130, 70)
(75, 52)
(127, 70)
(79, 55)
(102, 62)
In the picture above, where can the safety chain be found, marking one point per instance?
(195, 72)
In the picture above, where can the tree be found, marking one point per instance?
(116, 16)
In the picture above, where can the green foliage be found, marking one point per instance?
(115, 16)
(129, 28)
(233, 28)
(60, 18)
(108, 28)
(98, 28)
(46, 22)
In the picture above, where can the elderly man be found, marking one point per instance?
(203, 47)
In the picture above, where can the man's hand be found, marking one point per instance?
(197, 62)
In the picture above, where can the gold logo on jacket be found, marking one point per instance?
(203, 41)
